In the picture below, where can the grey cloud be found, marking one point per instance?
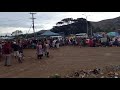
(43, 19)
(22, 19)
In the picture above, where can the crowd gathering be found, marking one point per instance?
(15, 48)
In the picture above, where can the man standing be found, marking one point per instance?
(53, 43)
(15, 47)
(57, 44)
(20, 50)
(7, 53)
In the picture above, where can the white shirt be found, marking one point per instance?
(47, 47)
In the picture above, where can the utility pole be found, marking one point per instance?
(87, 26)
(33, 24)
(91, 31)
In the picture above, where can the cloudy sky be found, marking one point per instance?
(11, 21)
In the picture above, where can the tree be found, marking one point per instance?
(59, 23)
(68, 20)
(71, 26)
(65, 21)
(16, 33)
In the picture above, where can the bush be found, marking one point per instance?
(55, 76)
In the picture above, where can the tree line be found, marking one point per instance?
(69, 26)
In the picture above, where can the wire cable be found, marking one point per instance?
(28, 31)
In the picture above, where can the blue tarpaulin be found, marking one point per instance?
(97, 35)
(113, 34)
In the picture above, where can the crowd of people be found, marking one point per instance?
(9, 49)
(93, 42)
(15, 48)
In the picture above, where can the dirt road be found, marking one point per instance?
(61, 61)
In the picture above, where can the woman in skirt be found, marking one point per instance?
(39, 51)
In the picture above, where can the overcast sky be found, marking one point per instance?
(11, 21)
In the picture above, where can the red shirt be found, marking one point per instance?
(91, 43)
(7, 48)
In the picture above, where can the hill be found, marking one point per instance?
(79, 25)
(107, 25)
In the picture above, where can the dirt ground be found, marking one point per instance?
(61, 61)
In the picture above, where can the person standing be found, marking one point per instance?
(47, 49)
(7, 53)
(91, 42)
(48, 41)
(43, 47)
(0, 51)
(57, 44)
(116, 43)
(80, 42)
(39, 51)
(53, 43)
(94, 42)
(20, 56)
(15, 47)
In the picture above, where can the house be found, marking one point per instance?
(82, 35)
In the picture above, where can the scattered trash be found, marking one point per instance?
(105, 72)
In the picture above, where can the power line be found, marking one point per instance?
(33, 23)
(28, 31)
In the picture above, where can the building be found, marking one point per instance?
(82, 35)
